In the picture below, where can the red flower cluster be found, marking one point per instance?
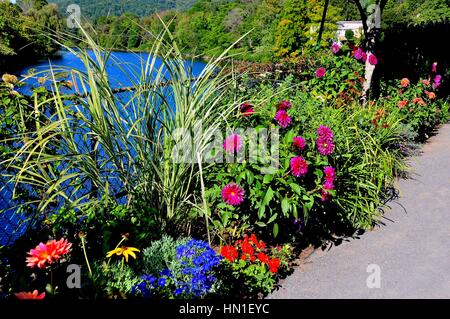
(251, 250)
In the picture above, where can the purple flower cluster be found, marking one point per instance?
(330, 178)
(325, 140)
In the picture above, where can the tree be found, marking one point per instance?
(290, 36)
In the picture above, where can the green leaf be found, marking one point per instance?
(268, 197)
(261, 224)
(267, 178)
(294, 211)
(272, 218)
(285, 207)
(275, 230)
(296, 188)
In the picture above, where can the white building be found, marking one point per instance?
(355, 26)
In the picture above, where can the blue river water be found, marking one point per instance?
(123, 70)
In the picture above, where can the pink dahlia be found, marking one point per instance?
(335, 48)
(364, 57)
(299, 167)
(325, 131)
(325, 145)
(330, 174)
(436, 81)
(426, 82)
(326, 196)
(246, 109)
(434, 67)
(358, 54)
(328, 185)
(284, 105)
(299, 142)
(48, 253)
(233, 194)
(232, 144)
(320, 72)
(282, 118)
(373, 59)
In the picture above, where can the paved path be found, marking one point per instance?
(412, 249)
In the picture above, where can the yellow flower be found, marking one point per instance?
(9, 78)
(123, 251)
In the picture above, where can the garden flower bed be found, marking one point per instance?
(230, 220)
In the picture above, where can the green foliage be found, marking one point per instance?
(113, 280)
(24, 35)
(415, 12)
(141, 8)
(136, 138)
(161, 254)
(276, 28)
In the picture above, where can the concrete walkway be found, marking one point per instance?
(412, 250)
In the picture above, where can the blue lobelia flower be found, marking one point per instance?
(162, 282)
(166, 272)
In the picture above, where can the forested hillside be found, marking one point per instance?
(278, 28)
(25, 30)
(95, 9)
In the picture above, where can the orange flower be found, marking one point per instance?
(426, 82)
(431, 95)
(48, 253)
(420, 101)
(402, 104)
(404, 82)
(30, 295)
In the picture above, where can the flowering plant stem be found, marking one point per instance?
(205, 204)
(85, 255)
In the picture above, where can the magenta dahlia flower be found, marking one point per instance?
(246, 109)
(328, 185)
(326, 196)
(364, 57)
(330, 174)
(284, 105)
(325, 145)
(358, 53)
(325, 131)
(373, 59)
(283, 119)
(335, 48)
(320, 72)
(436, 81)
(233, 194)
(299, 142)
(233, 144)
(299, 167)
(434, 67)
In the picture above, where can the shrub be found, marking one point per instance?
(364, 156)
(161, 254)
(113, 280)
